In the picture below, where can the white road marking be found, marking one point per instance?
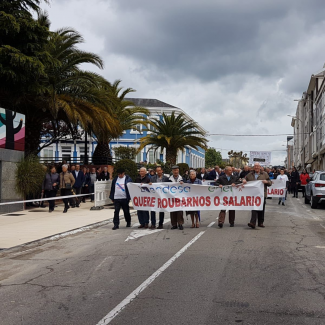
(140, 233)
(211, 224)
(113, 313)
(137, 224)
(322, 225)
(103, 261)
(316, 218)
(320, 246)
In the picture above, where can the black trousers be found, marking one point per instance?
(303, 187)
(124, 204)
(66, 192)
(294, 189)
(259, 215)
(49, 194)
(77, 190)
(153, 218)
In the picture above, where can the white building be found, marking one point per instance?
(74, 151)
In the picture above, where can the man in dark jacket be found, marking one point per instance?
(50, 186)
(80, 178)
(256, 174)
(214, 174)
(244, 172)
(104, 175)
(158, 178)
(294, 181)
(226, 180)
(121, 197)
(203, 175)
(143, 215)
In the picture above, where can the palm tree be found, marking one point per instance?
(71, 95)
(173, 133)
(238, 158)
(126, 116)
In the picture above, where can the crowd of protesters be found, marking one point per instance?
(76, 181)
(215, 176)
(71, 181)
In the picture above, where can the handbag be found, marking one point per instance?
(68, 186)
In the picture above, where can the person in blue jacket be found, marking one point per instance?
(121, 197)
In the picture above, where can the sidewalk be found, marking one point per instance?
(29, 225)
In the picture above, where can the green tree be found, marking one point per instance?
(123, 152)
(173, 133)
(126, 116)
(212, 157)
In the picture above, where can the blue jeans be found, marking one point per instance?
(143, 217)
(153, 218)
(282, 199)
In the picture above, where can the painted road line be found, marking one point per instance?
(140, 233)
(322, 225)
(316, 218)
(113, 313)
(137, 224)
(211, 224)
(319, 246)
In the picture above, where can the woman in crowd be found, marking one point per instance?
(284, 177)
(194, 214)
(50, 186)
(303, 179)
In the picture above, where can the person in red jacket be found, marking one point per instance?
(303, 179)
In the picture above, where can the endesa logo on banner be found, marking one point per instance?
(175, 196)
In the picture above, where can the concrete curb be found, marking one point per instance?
(44, 240)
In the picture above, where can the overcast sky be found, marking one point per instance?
(234, 66)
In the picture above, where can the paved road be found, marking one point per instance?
(274, 275)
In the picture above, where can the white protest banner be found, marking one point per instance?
(263, 157)
(175, 196)
(277, 189)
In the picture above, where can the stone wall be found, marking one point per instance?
(8, 160)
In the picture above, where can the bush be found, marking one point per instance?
(182, 168)
(29, 176)
(130, 168)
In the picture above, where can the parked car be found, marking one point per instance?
(315, 189)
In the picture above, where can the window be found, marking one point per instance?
(48, 153)
(66, 153)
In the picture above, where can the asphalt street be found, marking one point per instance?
(274, 275)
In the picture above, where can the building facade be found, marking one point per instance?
(74, 151)
(308, 125)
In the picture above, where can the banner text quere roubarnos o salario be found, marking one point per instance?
(175, 196)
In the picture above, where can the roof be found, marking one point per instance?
(149, 102)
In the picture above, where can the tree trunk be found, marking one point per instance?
(102, 154)
(171, 156)
(33, 130)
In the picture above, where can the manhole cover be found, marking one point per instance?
(16, 214)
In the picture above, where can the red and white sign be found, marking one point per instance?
(175, 196)
(278, 188)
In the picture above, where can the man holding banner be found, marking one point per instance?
(176, 217)
(256, 174)
(227, 180)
